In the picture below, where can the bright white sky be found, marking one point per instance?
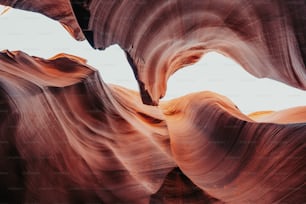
(37, 35)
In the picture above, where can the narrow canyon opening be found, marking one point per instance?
(219, 135)
(40, 36)
(218, 73)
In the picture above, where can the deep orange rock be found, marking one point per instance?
(67, 137)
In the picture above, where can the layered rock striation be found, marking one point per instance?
(67, 137)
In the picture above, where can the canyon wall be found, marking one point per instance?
(68, 137)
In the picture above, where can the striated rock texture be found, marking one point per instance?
(70, 138)
(67, 137)
(266, 37)
(232, 157)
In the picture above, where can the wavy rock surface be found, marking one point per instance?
(67, 137)
(266, 37)
(232, 157)
(75, 138)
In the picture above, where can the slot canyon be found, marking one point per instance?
(69, 137)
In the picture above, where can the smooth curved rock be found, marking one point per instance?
(233, 158)
(160, 37)
(267, 38)
(67, 137)
(291, 115)
(75, 139)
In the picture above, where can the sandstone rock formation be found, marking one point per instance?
(67, 137)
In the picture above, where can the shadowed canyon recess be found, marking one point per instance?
(68, 137)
